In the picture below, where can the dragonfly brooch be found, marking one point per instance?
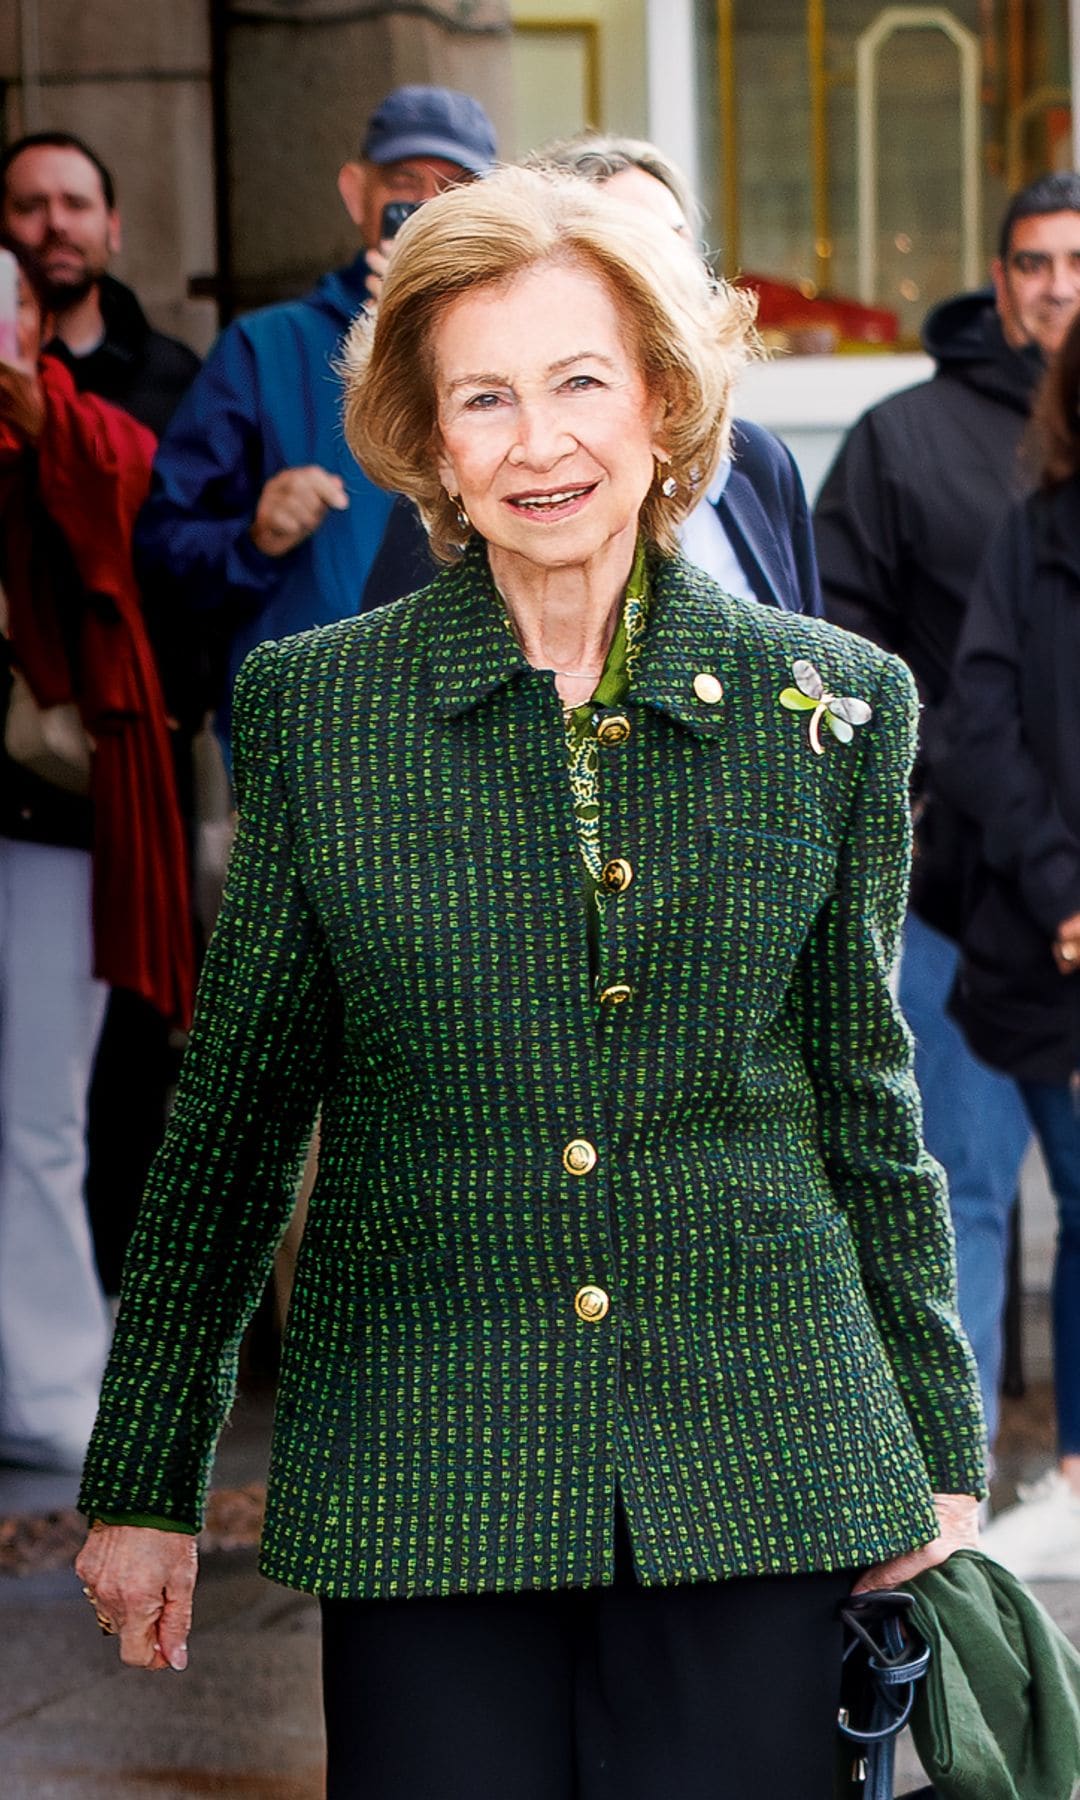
(839, 711)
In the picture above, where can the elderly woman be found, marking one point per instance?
(750, 528)
(623, 1340)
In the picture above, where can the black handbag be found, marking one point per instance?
(884, 1660)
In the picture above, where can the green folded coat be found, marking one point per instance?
(998, 1716)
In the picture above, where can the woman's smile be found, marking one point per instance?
(556, 504)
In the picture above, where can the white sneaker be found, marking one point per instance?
(1039, 1538)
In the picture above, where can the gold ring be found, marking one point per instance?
(90, 1595)
(107, 1627)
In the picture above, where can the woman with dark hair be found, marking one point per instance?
(1009, 756)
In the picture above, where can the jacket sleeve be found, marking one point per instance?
(222, 1187)
(978, 750)
(859, 534)
(192, 535)
(859, 1054)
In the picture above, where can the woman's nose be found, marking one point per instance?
(541, 441)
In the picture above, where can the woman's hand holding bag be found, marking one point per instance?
(958, 1529)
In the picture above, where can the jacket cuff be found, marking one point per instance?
(144, 1519)
(249, 568)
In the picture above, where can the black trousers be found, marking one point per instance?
(722, 1691)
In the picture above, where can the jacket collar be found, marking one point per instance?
(472, 654)
(126, 329)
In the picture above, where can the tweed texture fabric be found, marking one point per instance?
(780, 1380)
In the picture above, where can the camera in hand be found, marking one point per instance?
(394, 215)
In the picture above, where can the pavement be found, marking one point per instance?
(245, 1717)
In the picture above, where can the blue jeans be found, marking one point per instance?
(1056, 1118)
(975, 1125)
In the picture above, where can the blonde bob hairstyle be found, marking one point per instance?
(692, 332)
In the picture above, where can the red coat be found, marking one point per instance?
(93, 472)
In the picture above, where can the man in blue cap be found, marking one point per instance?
(257, 513)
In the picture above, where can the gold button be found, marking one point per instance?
(579, 1156)
(591, 1304)
(615, 729)
(616, 994)
(617, 875)
(708, 689)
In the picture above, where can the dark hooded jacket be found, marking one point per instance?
(902, 522)
(135, 367)
(1006, 749)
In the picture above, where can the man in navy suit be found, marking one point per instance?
(751, 530)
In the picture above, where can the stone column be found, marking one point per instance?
(134, 81)
(302, 76)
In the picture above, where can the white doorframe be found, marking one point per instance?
(671, 61)
(868, 52)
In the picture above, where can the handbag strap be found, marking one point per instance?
(895, 1665)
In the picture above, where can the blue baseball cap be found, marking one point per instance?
(430, 121)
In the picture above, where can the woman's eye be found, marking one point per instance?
(579, 382)
(481, 402)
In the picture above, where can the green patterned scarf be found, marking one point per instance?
(583, 753)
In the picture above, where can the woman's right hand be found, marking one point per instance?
(22, 402)
(142, 1581)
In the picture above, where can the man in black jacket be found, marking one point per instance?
(902, 522)
(58, 199)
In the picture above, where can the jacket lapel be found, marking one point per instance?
(752, 538)
(471, 652)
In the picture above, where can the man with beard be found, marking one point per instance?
(58, 199)
(58, 202)
(902, 523)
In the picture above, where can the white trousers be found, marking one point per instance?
(54, 1321)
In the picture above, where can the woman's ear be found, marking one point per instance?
(445, 467)
(660, 410)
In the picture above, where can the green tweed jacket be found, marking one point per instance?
(685, 1244)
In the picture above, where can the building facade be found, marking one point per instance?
(840, 145)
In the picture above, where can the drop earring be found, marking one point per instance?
(669, 487)
(460, 514)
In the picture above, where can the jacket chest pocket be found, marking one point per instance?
(436, 901)
(729, 915)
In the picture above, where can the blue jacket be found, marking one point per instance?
(763, 511)
(266, 399)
